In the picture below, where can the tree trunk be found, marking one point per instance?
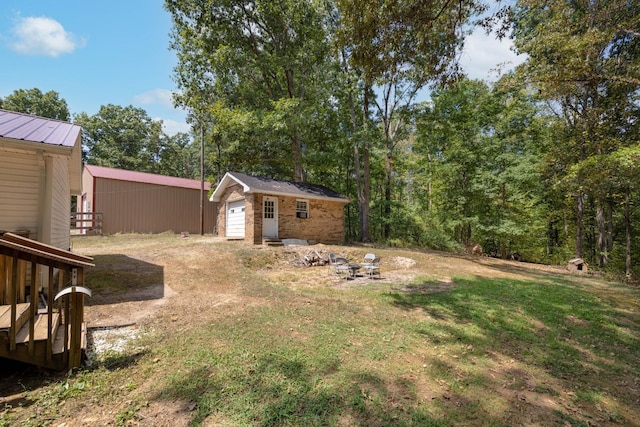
(627, 232)
(388, 170)
(298, 171)
(580, 225)
(366, 179)
(602, 233)
(362, 180)
(430, 184)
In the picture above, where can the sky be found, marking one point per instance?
(94, 53)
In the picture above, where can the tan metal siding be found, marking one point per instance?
(149, 208)
(19, 179)
(60, 204)
(87, 193)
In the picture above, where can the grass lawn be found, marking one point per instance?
(235, 335)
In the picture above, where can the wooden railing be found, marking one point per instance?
(86, 221)
(41, 303)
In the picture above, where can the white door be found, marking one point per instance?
(235, 219)
(270, 217)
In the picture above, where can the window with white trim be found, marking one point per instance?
(302, 209)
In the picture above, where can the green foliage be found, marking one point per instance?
(33, 101)
(127, 138)
(120, 137)
(268, 59)
(584, 59)
(477, 156)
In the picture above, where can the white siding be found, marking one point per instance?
(19, 180)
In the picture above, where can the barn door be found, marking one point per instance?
(270, 217)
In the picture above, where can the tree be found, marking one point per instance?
(121, 137)
(584, 58)
(33, 101)
(481, 167)
(399, 47)
(264, 58)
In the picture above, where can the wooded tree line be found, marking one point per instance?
(542, 165)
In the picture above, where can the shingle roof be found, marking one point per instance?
(25, 127)
(144, 177)
(256, 184)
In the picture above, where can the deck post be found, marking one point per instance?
(12, 300)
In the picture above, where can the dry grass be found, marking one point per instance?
(233, 334)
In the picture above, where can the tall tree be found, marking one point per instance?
(584, 58)
(263, 56)
(399, 47)
(121, 137)
(478, 156)
(33, 101)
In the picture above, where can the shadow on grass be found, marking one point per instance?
(553, 325)
(119, 278)
(116, 360)
(285, 390)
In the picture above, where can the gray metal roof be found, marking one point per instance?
(257, 184)
(25, 127)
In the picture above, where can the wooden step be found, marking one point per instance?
(58, 344)
(22, 315)
(39, 329)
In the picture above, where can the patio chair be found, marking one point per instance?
(372, 268)
(339, 265)
(368, 259)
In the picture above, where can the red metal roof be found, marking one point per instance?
(144, 177)
(26, 127)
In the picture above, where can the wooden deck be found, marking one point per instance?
(49, 332)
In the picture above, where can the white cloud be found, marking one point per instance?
(155, 97)
(484, 57)
(172, 127)
(43, 36)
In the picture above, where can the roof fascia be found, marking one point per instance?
(23, 145)
(226, 180)
(301, 196)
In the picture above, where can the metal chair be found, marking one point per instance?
(372, 268)
(339, 265)
(368, 259)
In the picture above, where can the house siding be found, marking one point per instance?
(132, 207)
(37, 178)
(60, 204)
(19, 197)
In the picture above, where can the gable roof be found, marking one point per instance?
(144, 177)
(256, 184)
(25, 127)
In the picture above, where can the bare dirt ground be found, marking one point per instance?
(177, 275)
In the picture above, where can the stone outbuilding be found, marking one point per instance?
(257, 209)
